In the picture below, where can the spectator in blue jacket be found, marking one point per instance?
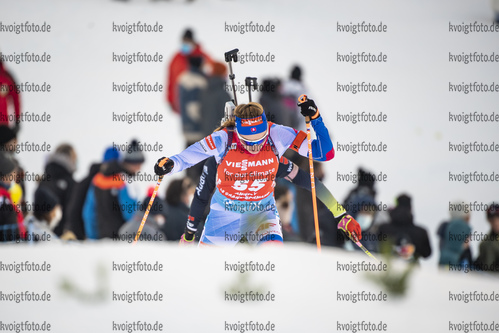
(454, 247)
(108, 204)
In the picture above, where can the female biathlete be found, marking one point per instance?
(243, 204)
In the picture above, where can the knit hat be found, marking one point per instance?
(296, 73)
(45, 200)
(188, 34)
(493, 210)
(133, 155)
(270, 86)
(6, 165)
(111, 154)
(366, 178)
(404, 200)
(361, 201)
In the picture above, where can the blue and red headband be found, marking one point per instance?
(251, 126)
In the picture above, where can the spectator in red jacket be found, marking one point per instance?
(180, 63)
(9, 99)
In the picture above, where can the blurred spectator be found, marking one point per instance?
(488, 258)
(408, 240)
(271, 100)
(59, 171)
(10, 109)
(364, 188)
(191, 84)
(8, 140)
(190, 87)
(213, 99)
(47, 214)
(108, 203)
(360, 203)
(329, 233)
(495, 7)
(8, 145)
(441, 234)
(155, 220)
(291, 90)
(73, 224)
(364, 213)
(285, 204)
(454, 245)
(179, 196)
(179, 64)
(11, 219)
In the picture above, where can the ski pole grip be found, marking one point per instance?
(163, 161)
(302, 99)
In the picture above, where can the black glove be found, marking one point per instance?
(166, 168)
(188, 235)
(308, 108)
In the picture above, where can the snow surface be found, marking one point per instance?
(193, 283)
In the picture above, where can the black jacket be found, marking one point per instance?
(59, 180)
(110, 213)
(402, 226)
(74, 221)
(176, 217)
(213, 100)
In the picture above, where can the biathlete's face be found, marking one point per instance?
(253, 143)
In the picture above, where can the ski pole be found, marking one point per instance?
(302, 99)
(229, 57)
(153, 196)
(250, 82)
(355, 239)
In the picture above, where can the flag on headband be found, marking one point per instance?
(251, 126)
